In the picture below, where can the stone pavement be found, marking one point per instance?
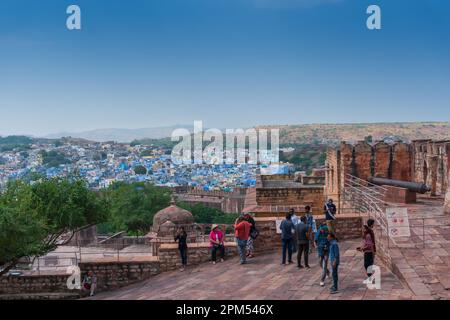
(264, 278)
(422, 260)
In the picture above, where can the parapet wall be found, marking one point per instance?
(169, 255)
(110, 275)
(347, 227)
(423, 161)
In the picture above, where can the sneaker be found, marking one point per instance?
(322, 283)
(300, 266)
(290, 261)
(283, 264)
(334, 291)
(307, 267)
(222, 260)
(214, 262)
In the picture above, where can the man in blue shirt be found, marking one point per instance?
(323, 248)
(334, 261)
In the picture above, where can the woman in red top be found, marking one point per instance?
(216, 239)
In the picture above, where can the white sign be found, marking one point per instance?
(398, 223)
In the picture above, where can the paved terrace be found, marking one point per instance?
(423, 260)
(264, 278)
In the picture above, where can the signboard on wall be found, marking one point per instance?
(398, 223)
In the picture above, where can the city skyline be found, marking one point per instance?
(232, 64)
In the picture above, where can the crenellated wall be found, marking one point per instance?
(424, 161)
(347, 227)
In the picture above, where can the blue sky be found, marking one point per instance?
(230, 63)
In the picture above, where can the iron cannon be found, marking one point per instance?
(411, 186)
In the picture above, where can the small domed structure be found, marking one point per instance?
(174, 214)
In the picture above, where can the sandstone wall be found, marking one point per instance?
(169, 256)
(362, 160)
(33, 284)
(306, 195)
(401, 162)
(382, 160)
(110, 275)
(347, 227)
(113, 275)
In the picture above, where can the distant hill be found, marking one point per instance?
(122, 135)
(334, 133)
(289, 134)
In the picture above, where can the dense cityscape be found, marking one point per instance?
(102, 163)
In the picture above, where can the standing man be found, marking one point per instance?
(287, 237)
(303, 234)
(242, 233)
(311, 222)
(181, 237)
(334, 261)
(323, 246)
(330, 215)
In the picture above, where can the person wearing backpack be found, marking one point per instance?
(253, 234)
(334, 261)
(330, 215)
(311, 222)
(321, 240)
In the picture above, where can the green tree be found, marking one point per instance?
(368, 139)
(204, 214)
(140, 170)
(34, 217)
(133, 205)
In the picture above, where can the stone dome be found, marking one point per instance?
(178, 216)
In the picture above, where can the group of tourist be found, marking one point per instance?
(245, 234)
(298, 234)
(301, 235)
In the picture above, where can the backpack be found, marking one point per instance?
(254, 234)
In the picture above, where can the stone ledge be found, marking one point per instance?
(199, 245)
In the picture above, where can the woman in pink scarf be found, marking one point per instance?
(216, 238)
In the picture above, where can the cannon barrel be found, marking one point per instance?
(411, 186)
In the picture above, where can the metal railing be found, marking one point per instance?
(57, 261)
(361, 196)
